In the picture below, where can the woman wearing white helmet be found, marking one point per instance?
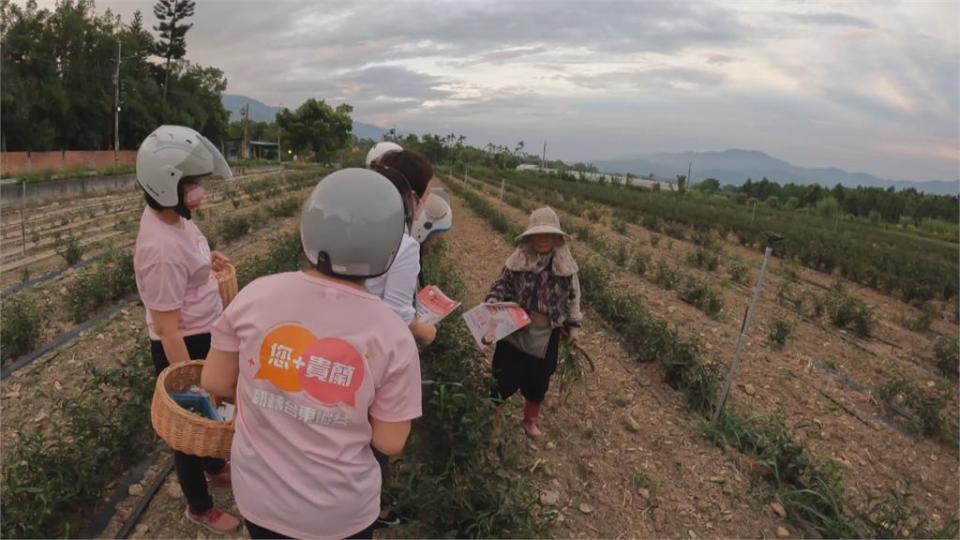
(174, 269)
(435, 219)
(322, 370)
(379, 149)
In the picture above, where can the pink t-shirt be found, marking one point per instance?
(317, 359)
(172, 268)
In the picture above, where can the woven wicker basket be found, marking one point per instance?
(178, 427)
(227, 280)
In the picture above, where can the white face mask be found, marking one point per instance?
(194, 198)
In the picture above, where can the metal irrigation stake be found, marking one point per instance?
(747, 319)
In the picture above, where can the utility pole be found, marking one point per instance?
(543, 160)
(116, 108)
(279, 155)
(243, 140)
(689, 171)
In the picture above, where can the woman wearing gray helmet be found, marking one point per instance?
(174, 269)
(322, 371)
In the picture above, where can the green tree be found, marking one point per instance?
(709, 185)
(57, 67)
(316, 126)
(173, 42)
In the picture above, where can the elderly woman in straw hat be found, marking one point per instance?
(541, 276)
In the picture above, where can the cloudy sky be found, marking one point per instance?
(869, 86)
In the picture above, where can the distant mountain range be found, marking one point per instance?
(735, 166)
(732, 166)
(261, 112)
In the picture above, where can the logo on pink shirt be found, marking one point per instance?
(329, 370)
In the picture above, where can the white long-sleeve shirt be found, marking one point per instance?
(398, 286)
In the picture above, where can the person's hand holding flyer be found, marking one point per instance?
(489, 323)
(433, 306)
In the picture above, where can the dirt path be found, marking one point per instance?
(622, 443)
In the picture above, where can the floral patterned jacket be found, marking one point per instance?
(557, 297)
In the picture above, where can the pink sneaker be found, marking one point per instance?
(530, 426)
(221, 479)
(214, 520)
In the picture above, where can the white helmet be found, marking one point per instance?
(352, 224)
(436, 217)
(380, 149)
(171, 153)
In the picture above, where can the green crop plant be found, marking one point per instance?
(622, 256)
(701, 258)
(70, 249)
(641, 261)
(285, 208)
(848, 311)
(924, 405)
(923, 321)
(780, 333)
(947, 352)
(23, 321)
(701, 296)
(234, 226)
(739, 273)
(666, 276)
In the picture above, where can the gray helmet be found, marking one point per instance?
(352, 224)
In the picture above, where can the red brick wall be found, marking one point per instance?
(13, 163)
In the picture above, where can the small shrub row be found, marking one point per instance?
(702, 258)
(52, 483)
(444, 483)
(110, 280)
(701, 296)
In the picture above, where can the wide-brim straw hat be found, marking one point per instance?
(543, 221)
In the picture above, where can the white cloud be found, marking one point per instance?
(862, 86)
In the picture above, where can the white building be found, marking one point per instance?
(666, 185)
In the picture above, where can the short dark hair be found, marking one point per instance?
(414, 166)
(399, 181)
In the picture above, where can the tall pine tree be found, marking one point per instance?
(172, 44)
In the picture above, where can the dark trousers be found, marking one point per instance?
(515, 370)
(257, 531)
(384, 461)
(190, 469)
